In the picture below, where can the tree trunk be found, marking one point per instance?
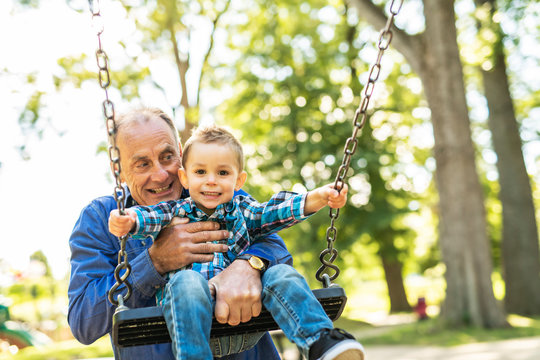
(465, 250)
(463, 231)
(520, 252)
(394, 282)
(182, 65)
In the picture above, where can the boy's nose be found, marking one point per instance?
(211, 179)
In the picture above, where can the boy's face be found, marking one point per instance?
(212, 175)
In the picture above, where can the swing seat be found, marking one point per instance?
(146, 326)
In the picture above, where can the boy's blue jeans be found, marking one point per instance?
(188, 308)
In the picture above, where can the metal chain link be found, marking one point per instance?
(360, 117)
(114, 155)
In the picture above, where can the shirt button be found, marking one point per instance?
(143, 243)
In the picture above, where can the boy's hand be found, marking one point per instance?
(120, 225)
(334, 198)
(325, 195)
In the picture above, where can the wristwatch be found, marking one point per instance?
(256, 262)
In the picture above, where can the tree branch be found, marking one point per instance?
(408, 45)
(182, 65)
(211, 45)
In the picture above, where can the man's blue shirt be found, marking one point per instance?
(94, 256)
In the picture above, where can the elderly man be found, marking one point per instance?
(150, 158)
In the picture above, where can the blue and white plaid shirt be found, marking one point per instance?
(246, 220)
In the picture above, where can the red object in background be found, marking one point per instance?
(420, 308)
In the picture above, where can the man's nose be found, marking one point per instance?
(160, 173)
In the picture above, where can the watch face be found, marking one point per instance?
(256, 263)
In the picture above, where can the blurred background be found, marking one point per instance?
(442, 217)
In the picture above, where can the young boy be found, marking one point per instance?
(212, 170)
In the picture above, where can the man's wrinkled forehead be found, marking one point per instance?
(165, 148)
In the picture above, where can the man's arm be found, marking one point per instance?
(94, 254)
(239, 301)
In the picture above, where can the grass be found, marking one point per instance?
(64, 350)
(428, 333)
(431, 332)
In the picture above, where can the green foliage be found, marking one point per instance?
(28, 3)
(293, 99)
(292, 74)
(30, 290)
(40, 256)
(30, 115)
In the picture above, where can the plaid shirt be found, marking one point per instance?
(246, 220)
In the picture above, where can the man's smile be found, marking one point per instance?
(160, 190)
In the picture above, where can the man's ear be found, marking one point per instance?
(182, 175)
(241, 180)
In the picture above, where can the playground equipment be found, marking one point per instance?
(144, 326)
(18, 334)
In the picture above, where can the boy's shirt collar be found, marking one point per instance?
(221, 211)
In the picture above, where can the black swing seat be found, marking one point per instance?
(145, 326)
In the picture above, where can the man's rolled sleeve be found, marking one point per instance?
(144, 275)
(272, 249)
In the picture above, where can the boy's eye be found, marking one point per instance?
(223, 173)
(200, 171)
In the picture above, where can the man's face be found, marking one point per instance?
(211, 175)
(150, 159)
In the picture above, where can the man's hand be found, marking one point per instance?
(183, 243)
(238, 293)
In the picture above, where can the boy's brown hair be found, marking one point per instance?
(213, 134)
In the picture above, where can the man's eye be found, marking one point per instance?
(141, 165)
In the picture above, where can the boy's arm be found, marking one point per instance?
(150, 220)
(285, 209)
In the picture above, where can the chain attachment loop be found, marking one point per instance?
(360, 118)
(104, 78)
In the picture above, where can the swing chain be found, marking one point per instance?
(360, 117)
(114, 154)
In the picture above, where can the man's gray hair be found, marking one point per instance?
(144, 114)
